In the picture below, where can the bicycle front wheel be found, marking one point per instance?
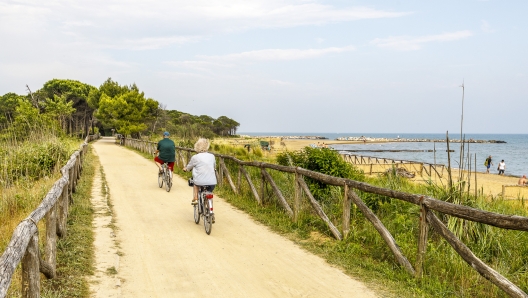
(160, 180)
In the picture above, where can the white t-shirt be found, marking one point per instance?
(502, 165)
(203, 168)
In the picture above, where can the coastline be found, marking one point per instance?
(490, 184)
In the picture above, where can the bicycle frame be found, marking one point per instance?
(204, 209)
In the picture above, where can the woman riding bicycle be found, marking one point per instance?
(203, 168)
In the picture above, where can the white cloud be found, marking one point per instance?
(151, 43)
(132, 22)
(281, 83)
(278, 54)
(485, 27)
(408, 43)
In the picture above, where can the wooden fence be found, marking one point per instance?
(24, 246)
(372, 165)
(426, 219)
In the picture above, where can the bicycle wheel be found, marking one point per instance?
(168, 181)
(160, 180)
(208, 220)
(196, 213)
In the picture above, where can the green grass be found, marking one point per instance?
(75, 257)
(365, 256)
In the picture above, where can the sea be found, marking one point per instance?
(514, 151)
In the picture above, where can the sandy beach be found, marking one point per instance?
(490, 185)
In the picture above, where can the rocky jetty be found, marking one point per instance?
(369, 139)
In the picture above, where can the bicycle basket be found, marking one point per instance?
(191, 182)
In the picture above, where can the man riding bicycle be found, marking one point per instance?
(203, 168)
(166, 153)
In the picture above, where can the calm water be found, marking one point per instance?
(514, 152)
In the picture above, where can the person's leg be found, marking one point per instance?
(171, 168)
(158, 162)
(195, 194)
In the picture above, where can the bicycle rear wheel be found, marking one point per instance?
(208, 219)
(168, 181)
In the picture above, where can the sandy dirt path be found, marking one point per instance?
(167, 255)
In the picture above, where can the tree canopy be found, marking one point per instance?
(77, 107)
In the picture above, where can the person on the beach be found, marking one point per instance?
(522, 181)
(488, 164)
(502, 167)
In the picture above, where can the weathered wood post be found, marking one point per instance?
(382, 230)
(296, 198)
(251, 185)
(319, 210)
(220, 171)
(278, 193)
(346, 211)
(262, 186)
(228, 176)
(239, 178)
(422, 241)
(51, 238)
(30, 269)
(65, 202)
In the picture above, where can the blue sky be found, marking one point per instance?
(287, 65)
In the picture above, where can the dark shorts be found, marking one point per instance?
(488, 166)
(170, 164)
(207, 187)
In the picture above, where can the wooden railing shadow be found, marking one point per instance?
(24, 246)
(426, 219)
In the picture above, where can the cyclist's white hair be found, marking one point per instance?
(202, 145)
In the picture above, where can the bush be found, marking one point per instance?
(322, 160)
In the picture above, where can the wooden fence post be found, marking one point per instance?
(51, 239)
(30, 269)
(477, 264)
(224, 169)
(422, 240)
(262, 186)
(251, 185)
(346, 211)
(220, 171)
(278, 193)
(385, 234)
(239, 177)
(319, 210)
(296, 198)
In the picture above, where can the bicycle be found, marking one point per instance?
(204, 208)
(165, 177)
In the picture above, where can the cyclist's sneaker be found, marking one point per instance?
(194, 202)
(160, 173)
(213, 218)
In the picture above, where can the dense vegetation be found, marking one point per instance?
(363, 253)
(81, 109)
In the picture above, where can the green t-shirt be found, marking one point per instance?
(167, 150)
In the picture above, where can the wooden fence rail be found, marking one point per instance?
(372, 165)
(24, 246)
(426, 218)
